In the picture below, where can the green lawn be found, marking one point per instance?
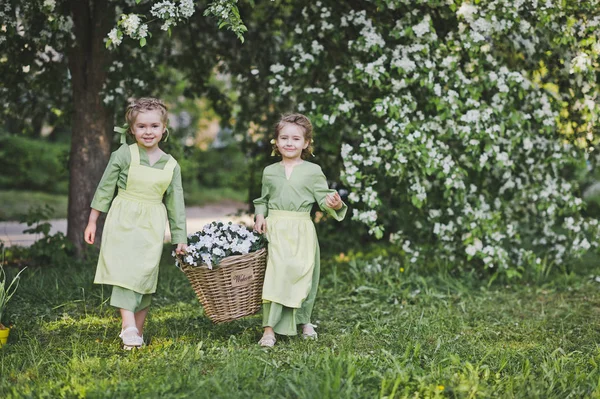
(381, 334)
(204, 196)
(14, 203)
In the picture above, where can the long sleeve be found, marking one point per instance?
(105, 192)
(260, 204)
(175, 204)
(320, 190)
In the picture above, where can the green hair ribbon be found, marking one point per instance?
(123, 132)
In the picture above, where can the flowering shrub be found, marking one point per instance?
(131, 25)
(171, 13)
(462, 123)
(217, 240)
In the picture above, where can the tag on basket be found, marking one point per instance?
(242, 277)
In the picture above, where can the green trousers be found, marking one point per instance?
(127, 299)
(284, 320)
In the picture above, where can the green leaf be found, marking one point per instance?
(108, 43)
(142, 42)
(416, 202)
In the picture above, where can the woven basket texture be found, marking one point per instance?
(232, 290)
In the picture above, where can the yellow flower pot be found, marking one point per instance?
(4, 336)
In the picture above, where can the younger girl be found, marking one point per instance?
(289, 189)
(149, 192)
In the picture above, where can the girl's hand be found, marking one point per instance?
(260, 225)
(334, 201)
(181, 249)
(89, 234)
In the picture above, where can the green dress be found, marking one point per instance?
(134, 230)
(293, 264)
(115, 177)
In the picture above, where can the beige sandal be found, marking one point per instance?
(267, 341)
(308, 331)
(130, 338)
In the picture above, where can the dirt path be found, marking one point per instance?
(11, 233)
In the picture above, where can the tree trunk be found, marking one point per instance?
(92, 122)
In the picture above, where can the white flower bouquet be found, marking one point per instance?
(216, 241)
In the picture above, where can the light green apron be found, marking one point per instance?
(291, 260)
(133, 235)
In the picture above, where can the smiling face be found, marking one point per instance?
(148, 129)
(291, 141)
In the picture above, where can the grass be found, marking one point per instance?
(208, 195)
(14, 203)
(382, 334)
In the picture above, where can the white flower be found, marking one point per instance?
(316, 47)
(142, 31)
(130, 24)
(580, 63)
(471, 250)
(276, 68)
(585, 244)
(346, 106)
(186, 8)
(467, 10)
(423, 27)
(217, 240)
(50, 4)
(114, 37)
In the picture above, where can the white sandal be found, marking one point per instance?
(131, 338)
(308, 331)
(267, 341)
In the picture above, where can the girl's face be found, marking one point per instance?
(148, 129)
(291, 142)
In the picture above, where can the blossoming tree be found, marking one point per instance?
(461, 122)
(51, 47)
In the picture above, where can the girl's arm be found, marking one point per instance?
(175, 205)
(261, 208)
(90, 231)
(106, 190)
(329, 200)
(119, 160)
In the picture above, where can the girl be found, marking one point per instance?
(289, 189)
(149, 192)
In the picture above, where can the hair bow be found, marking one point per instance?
(123, 132)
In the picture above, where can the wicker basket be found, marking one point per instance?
(234, 289)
